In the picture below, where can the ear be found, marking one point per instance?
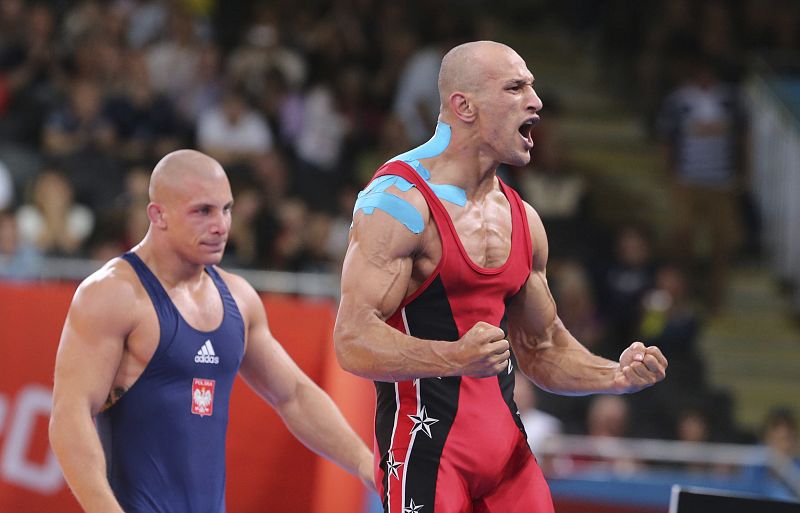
(462, 106)
(157, 216)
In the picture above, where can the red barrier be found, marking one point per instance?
(268, 470)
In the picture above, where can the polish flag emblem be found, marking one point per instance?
(202, 396)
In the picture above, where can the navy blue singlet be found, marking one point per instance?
(165, 438)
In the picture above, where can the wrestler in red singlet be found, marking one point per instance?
(427, 430)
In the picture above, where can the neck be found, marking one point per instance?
(463, 164)
(165, 263)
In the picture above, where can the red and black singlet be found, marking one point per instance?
(451, 432)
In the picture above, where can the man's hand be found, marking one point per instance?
(639, 368)
(483, 351)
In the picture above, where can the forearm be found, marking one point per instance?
(560, 364)
(372, 349)
(315, 420)
(76, 445)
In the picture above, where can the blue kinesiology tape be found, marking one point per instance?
(393, 205)
(375, 195)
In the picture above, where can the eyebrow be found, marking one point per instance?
(521, 81)
(211, 205)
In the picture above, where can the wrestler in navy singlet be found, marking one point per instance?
(457, 444)
(165, 438)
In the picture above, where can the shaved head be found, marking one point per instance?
(179, 168)
(463, 68)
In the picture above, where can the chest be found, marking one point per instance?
(482, 229)
(193, 326)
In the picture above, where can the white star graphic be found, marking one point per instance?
(412, 508)
(415, 381)
(392, 465)
(422, 422)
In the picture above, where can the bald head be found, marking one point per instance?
(176, 170)
(464, 66)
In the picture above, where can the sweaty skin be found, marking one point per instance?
(112, 331)
(488, 99)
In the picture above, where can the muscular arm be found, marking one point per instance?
(88, 357)
(375, 280)
(306, 409)
(551, 357)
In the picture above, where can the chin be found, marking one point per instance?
(519, 160)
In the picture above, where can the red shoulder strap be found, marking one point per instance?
(519, 218)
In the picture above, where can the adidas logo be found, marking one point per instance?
(206, 354)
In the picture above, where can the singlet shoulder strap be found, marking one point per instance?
(405, 171)
(149, 281)
(228, 302)
(166, 311)
(519, 218)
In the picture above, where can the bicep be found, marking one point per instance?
(378, 264)
(532, 311)
(90, 349)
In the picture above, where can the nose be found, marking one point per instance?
(221, 223)
(534, 102)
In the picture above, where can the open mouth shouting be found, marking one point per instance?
(525, 130)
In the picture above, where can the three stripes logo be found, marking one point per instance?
(206, 354)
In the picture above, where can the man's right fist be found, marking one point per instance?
(483, 351)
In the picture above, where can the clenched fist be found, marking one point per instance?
(483, 351)
(639, 367)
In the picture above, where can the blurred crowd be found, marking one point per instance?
(302, 105)
(299, 105)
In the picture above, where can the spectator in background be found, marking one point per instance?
(233, 132)
(147, 20)
(780, 433)
(125, 221)
(623, 283)
(29, 70)
(52, 221)
(320, 145)
(172, 62)
(145, 122)
(261, 53)
(608, 416)
(206, 88)
(242, 248)
(19, 260)
(539, 425)
(670, 321)
(693, 426)
(573, 292)
(392, 141)
(417, 101)
(550, 184)
(702, 127)
(80, 125)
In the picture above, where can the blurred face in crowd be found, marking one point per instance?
(85, 100)
(52, 192)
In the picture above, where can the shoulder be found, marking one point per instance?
(246, 297)
(390, 209)
(111, 294)
(538, 236)
(534, 220)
